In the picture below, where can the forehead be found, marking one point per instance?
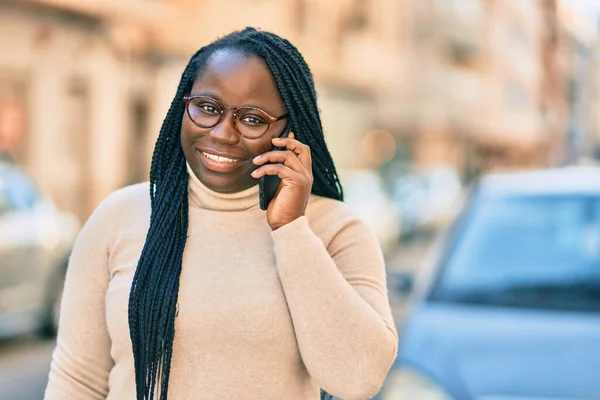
(236, 78)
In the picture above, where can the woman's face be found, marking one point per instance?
(233, 80)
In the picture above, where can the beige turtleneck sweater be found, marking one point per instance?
(262, 314)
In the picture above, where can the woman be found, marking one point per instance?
(193, 292)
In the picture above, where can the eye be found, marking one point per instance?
(252, 120)
(208, 108)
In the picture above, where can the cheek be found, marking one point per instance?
(258, 146)
(189, 133)
(185, 129)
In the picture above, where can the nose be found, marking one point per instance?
(224, 132)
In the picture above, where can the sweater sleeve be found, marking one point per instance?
(338, 302)
(81, 361)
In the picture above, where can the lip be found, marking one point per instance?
(216, 166)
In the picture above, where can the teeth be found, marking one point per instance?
(219, 158)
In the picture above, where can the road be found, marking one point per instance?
(24, 366)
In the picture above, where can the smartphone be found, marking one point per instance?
(268, 184)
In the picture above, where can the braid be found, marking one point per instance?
(295, 83)
(155, 286)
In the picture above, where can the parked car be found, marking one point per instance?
(508, 306)
(35, 242)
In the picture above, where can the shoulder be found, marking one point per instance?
(136, 195)
(127, 198)
(124, 204)
(323, 209)
(329, 217)
(342, 231)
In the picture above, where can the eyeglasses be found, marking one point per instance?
(249, 122)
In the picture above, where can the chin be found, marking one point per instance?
(225, 184)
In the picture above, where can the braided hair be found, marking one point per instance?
(153, 296)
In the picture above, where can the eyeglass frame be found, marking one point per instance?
(270, 119)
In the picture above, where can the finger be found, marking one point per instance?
(302, 150)
(284, 157)
(280, 170)
(290, 143)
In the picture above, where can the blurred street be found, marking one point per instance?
(431, 109)
(24, 366)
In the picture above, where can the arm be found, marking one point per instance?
(336, 295)
(81, 361)
(338, 302)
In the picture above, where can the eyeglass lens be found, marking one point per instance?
(207, 112)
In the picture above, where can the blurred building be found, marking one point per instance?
(74, 96)
(472, 84)
(579, 34)
(85, 85)
(488, 85)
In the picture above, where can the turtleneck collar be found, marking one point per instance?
(203, 197)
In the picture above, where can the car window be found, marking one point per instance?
(541, 251)
(17, 191)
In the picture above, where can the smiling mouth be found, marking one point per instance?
(221, 159)
(220, 164)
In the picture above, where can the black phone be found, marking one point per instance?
(268, 184)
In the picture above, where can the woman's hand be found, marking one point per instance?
(294, 166)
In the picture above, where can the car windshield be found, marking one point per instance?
(529, 251)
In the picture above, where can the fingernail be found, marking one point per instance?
(254, 172)
(256, 158)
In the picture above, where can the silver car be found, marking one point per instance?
(35, 242)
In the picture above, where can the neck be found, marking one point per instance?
(203, 197)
